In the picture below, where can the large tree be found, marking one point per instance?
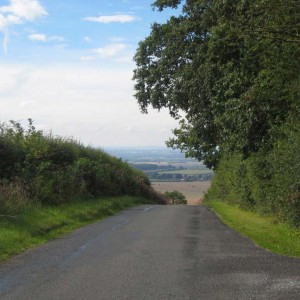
(228, 70)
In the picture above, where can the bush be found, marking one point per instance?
(267, 181)
(175, 197)
(13, 197)
(285, 162)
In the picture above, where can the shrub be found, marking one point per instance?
(267, 181)
(13, 197)
(175, 197)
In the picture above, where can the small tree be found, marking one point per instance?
(176, 197)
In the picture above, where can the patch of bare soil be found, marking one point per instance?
(193, 191)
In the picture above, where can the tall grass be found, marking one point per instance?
(36, 168)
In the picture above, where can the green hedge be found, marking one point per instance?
(45, 169)
(267, 181)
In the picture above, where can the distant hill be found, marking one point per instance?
(148, 154)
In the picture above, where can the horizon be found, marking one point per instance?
(68, 66)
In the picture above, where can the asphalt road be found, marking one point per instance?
(151, 252)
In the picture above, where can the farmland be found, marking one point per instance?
(193, 191)
(187, 172)
(169, 170)
(163, 164)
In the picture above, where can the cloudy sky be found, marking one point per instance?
(68, 66)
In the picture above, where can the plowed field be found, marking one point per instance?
(193, 191)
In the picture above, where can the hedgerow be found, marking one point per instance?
(267, 181)
(38, 168)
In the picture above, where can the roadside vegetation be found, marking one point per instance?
(51, 185)
(38, 169)
(175, 197)
(267, 182)
(41, 223)
(232, 68)
(265, 231)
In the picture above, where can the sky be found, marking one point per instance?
(67, 64)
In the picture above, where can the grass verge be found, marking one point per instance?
(38, 225)
(266, 232)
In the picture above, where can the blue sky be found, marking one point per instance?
(68, 66)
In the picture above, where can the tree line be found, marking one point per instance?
(229, 71)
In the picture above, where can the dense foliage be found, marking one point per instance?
(176, 197)
(229, 71)
(39, 168)
(267, 181)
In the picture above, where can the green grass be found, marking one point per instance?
(38, 225)
(266, 232)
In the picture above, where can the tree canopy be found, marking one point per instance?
(228, 70)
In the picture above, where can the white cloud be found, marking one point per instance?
(87, 58)
(3, 22)
(79, 101)
(110, 50)
(12, 19)
(18, 12)
(24, 104)
(26, 10)
(40, 37)
(112, 19)
(37, 37)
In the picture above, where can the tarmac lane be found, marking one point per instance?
(151, 252)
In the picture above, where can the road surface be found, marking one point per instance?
(151, 252)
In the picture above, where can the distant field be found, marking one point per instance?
(193, 191)
(188, 165)
(187, 172)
